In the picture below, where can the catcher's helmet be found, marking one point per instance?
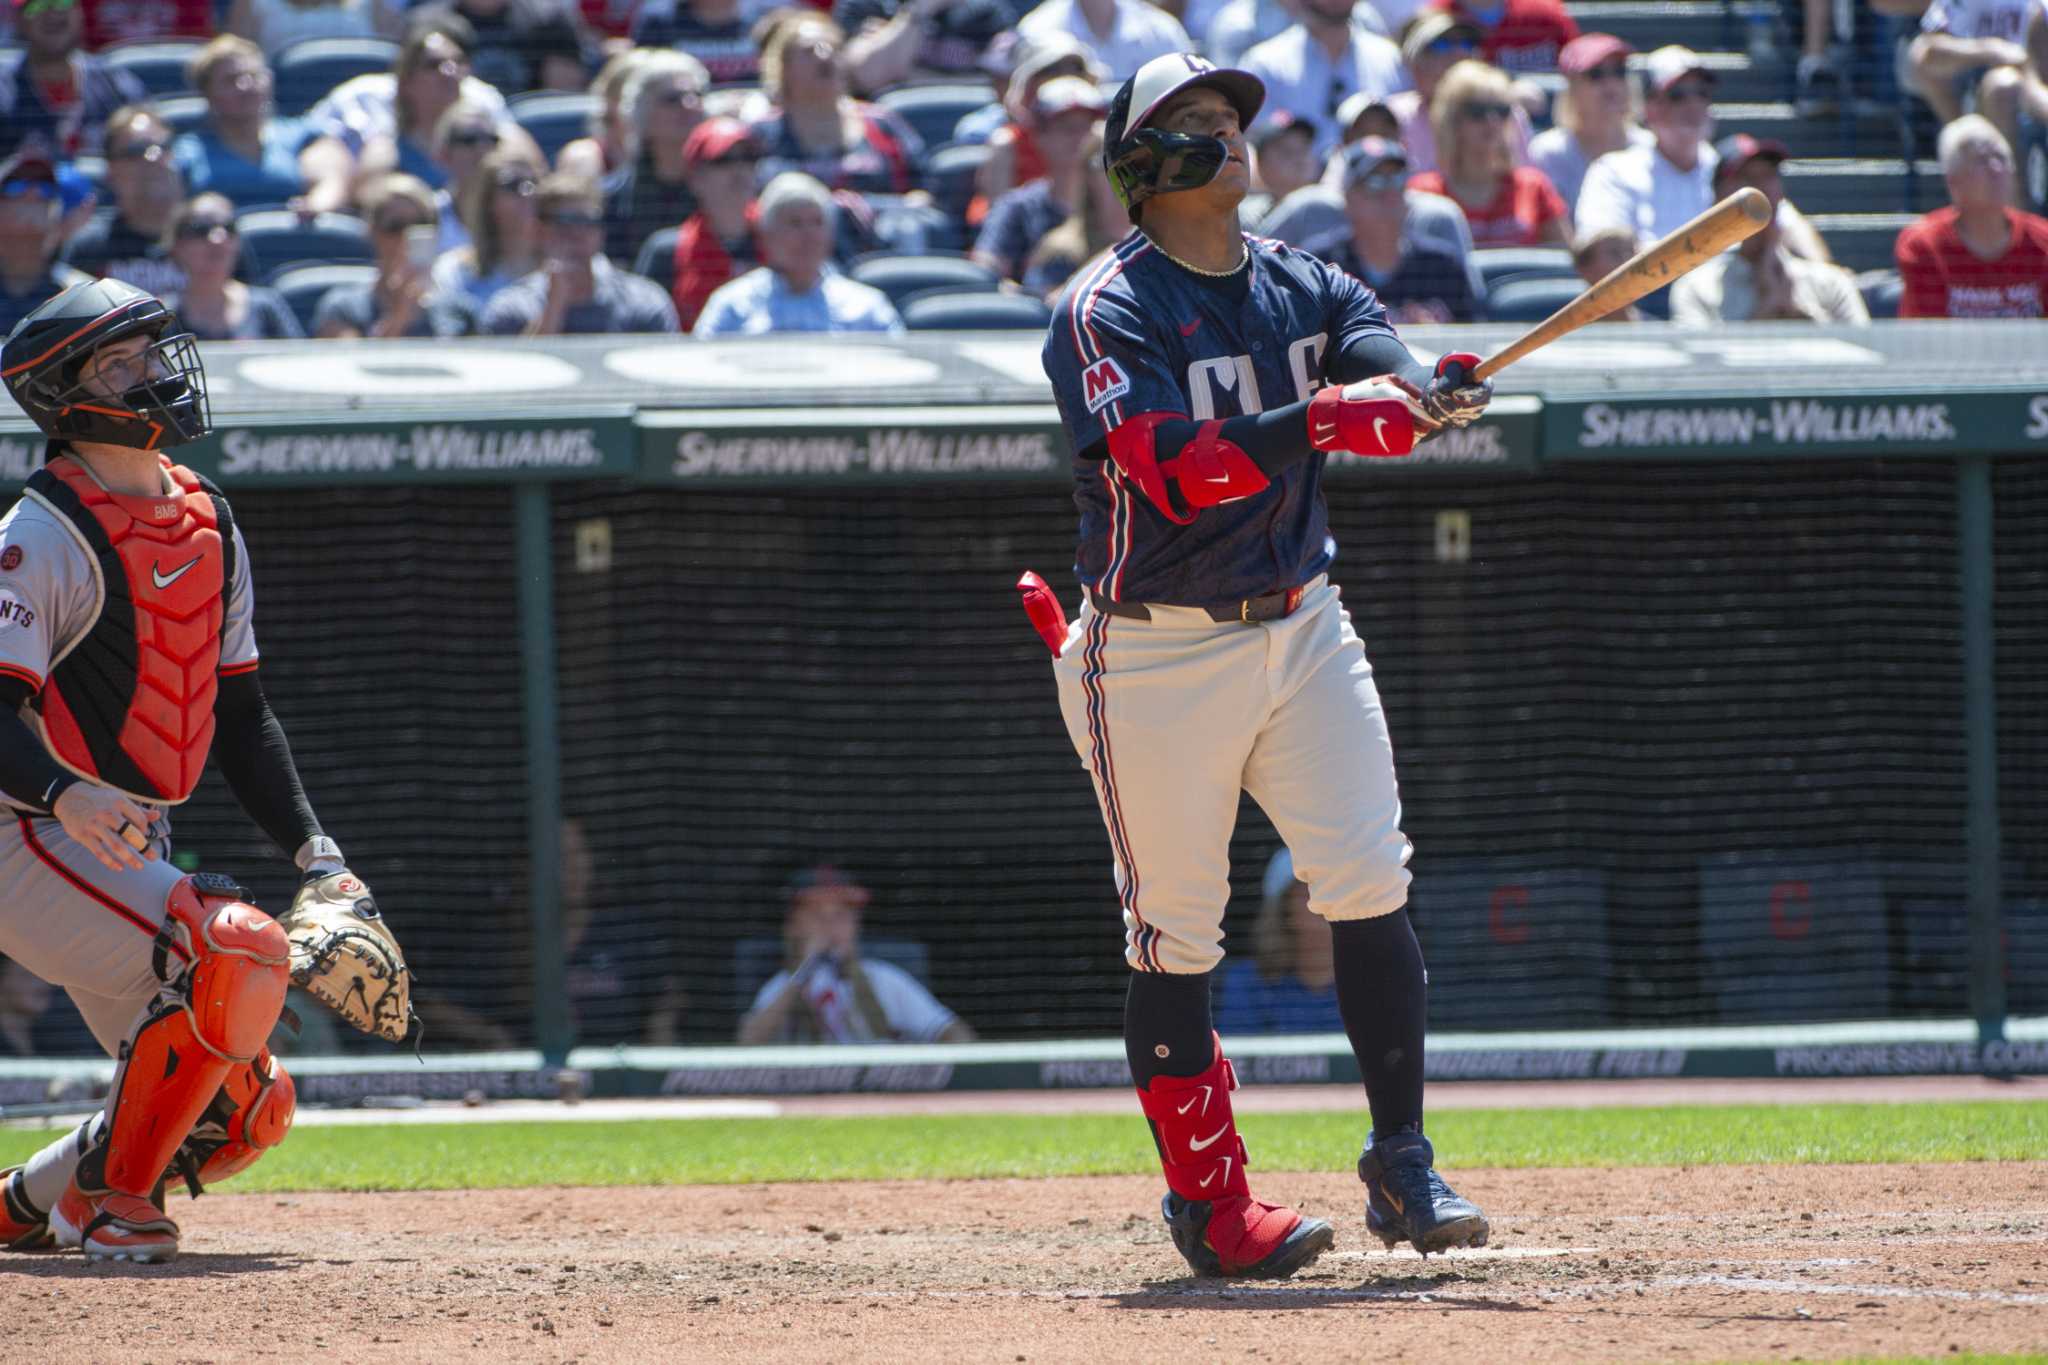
(46, 354)
(1142, 162)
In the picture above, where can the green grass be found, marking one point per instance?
(739, 1151)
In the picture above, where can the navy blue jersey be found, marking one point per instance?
(1136, 334)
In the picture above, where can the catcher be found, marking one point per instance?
(127, 657)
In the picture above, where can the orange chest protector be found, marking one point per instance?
(131, 705)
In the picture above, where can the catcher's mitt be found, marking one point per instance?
(346, 956)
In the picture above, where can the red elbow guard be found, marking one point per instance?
(1211, 470)
(1374, 427)
(1134, 447)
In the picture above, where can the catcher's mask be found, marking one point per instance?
(1142, 162)
(45, 358)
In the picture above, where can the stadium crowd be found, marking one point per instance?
(334, 168)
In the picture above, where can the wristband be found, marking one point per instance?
(58, 788)
(316, 850)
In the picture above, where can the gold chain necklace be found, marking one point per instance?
(1242, 262)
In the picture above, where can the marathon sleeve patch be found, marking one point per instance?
(1104, 382)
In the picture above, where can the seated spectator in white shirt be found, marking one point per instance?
(1595, 116)
(797, 290)
(1967, 46)
(1241, 26)
(1067, 111)
(1312, 68)
(577, 290)
(1122, 35)
(1760, 280)
(1283, 160)
(910, 42)
(1653, 189)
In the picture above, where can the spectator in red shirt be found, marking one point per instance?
(1517, 35)
(55, 96)
(130, 21)
(1979, 257)
(716, 243)
(1506, 204)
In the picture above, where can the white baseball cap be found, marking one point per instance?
(1672, 63)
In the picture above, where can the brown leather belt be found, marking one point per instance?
(1272, 607)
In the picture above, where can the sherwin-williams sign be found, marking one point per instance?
(1863, 424)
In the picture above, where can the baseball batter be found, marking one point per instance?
(1203, 377)
(127, 657)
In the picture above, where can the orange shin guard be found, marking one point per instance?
(211, 1019)
(249, 1115)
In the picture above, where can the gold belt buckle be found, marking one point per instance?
(1244, 611)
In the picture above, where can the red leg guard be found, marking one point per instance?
(212, 1017)
(249, 1115)
(1204, 1159)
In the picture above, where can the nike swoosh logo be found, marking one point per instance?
(1187, 329)
(163, 580)
(1197, 1144)
(1223, 1170)
(1378, 431)
(1191, 1102)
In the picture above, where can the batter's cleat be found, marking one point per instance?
(23, 1226)
(1239, 1236)
(1407, 1201)
(114, 1227)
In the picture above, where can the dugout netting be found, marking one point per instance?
(1679, 743)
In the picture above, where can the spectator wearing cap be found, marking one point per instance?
(1312, 68)
(1067, 111)
(1655, 188)
(1596, 255)
(1368, 116)
(1596, 115)
(826, 991)
(242, 150)
(274, 25)
(576, 290)
(1431, 221)
(55, 96)
(715, 32)
(1505, 204)
(1283, 160)
(212, 303)
(716, 243)
(401, 301)
(1121, 35)
(1014, 157)
(663, 104)
(1242, 25)
(395, 112)
(1980, 257)
(818, 128)
(795, 289)
(898, 42)
(1518, 36)
(520, 44)
(1433, 42)
(1288, 984)
(1414, 282)
(126, 242)
(30, 215)
(1977, 47)
(498, 212)
(1760, 280)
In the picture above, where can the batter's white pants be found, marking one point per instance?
(1173, 716)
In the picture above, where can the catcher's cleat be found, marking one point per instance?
(23, 1226)
(1240, 1236)
(1407, 1201)
(113, 1227)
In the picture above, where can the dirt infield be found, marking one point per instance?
(1697, 1264)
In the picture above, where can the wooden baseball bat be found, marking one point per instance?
(1740, 215)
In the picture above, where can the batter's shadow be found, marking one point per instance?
(1225, 1296)
(190, 1265)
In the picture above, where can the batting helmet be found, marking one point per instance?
(44, 361)
(1142, 162)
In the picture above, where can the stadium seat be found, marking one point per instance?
(306, 70)
(1881, 290)
(948, 311)
(272, 238)
(554, 118)
(949, 174)
(756, 959)
(932, 110)
(1499, 264)
(159, 63)
(303, 286)
(185, 113)
(1531, 299)
(901, 276)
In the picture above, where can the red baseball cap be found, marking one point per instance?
(714, 137)
(1588, 50)
(1739, 149)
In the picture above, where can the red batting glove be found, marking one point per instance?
(1375, 417)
